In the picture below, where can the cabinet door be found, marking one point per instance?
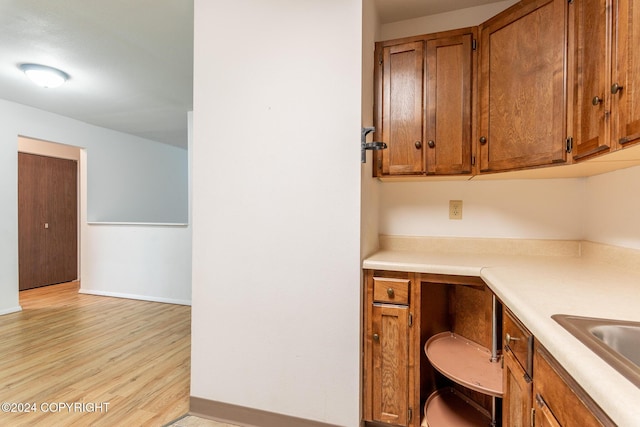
(518, 391)
(390, 354)
(626, 101)
(523, 86)
(401, 101)
(558, 396)
(544, 417)
(592, 98)
(449, 73)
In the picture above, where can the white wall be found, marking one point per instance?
(526, 209)
(612, 207)
(443, 21)
(136, 180)
(276, 206)
(370, 193)
(161, 277)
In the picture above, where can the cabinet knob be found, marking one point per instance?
(376, 337)
(508, 338)
(390, 292)
(596, 100)
(615, 88)
(418, 144)
(483, 140)
(431, 144)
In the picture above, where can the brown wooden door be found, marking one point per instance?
(47, 221)
(518, 391)
(592, 71)
(626, 73)
(449, 74)
(522, 96)
(390, 355)
(400, 99)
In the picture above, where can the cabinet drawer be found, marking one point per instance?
(394, 291)
(519, 341)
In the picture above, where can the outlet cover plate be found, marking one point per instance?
(455, 209)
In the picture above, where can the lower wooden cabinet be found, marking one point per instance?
(388, 374)
(517, 375)
(538, 392)
(390, 363)
(558, 399)
(402, 312)
(518, 392)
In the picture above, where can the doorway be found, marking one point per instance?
(47, 218)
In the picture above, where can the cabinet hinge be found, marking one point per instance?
(380, 59)
(410, 319)
(473, 160)
(474, 44)
(569, 146)
(409, 415)
(533, 417)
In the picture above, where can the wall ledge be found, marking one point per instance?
(476, 245)
(140, 224)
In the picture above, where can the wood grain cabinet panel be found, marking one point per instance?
(449, 85)
(518, 372)
(518, 392)
(626, 74)
(389, 394)
(558, 399)
(390, 363)
(402, 104)
(423, 104)
(592, 21)
(523, 116)
(606, 69)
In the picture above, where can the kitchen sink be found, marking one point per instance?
(615, 341)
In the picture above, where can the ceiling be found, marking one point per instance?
(130, 61)
(399, 10)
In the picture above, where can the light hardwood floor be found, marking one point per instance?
(75, 348)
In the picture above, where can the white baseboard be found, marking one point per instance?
(10, 310)
(138, 297)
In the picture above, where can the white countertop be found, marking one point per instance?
(535, 287)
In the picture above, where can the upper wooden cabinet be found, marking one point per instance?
(424, 104)
(449, 85)
(592, 49)
(552, 77)
(523, 113)
(606, 67)
(626, 74)
(400, 100)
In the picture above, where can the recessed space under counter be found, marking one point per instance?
(593, 280)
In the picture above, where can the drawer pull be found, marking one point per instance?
(508, 338)
(390, 292)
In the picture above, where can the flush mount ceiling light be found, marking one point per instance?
(44, 76)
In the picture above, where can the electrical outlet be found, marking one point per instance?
(455, 209)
